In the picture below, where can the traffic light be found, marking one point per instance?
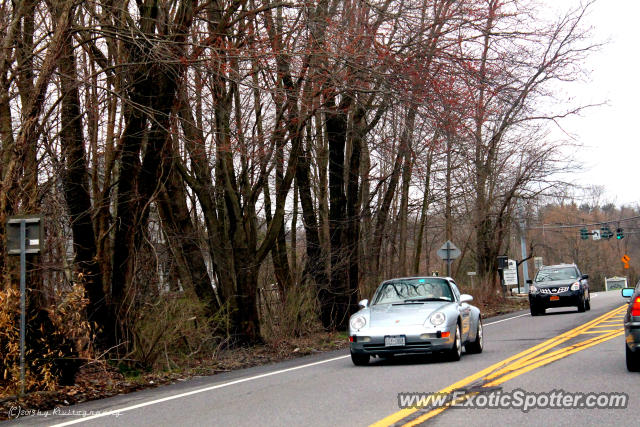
(605, 232)
(619, 233)
(584, 234)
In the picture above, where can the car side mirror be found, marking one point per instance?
(585, 276)
(529, 282)
(363, 304)
(627, 292)
(465, 298)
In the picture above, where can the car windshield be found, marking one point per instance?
(413, 290)
(549, 274)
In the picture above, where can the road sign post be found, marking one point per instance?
(24, 236)
(511, 273)
(448, 252)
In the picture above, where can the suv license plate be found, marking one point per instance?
(554, 298)
(394, 341)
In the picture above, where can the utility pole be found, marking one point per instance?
(523, 246)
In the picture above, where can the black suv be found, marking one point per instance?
(559, 285)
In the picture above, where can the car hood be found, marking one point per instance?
(555, 283)
(403, 314)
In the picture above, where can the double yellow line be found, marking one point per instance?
(532, 358)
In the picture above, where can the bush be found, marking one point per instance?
(296, 316)
(172, 328)
(51, 358)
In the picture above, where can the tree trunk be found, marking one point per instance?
(78, 198)
(336, 125)
(403, 215)
(383, 211)
(316, 262)
(183, 238)
(352, 234)
(423, 215)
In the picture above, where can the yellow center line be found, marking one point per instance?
(517, 364)
(559, 354)
(505, 378)
(554, 342)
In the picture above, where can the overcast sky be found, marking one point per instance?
(610, 134)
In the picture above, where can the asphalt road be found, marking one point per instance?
(328, 389)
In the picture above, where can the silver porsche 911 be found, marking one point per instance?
(415, 315)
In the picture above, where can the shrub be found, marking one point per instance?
(174, 327)
(51, 358)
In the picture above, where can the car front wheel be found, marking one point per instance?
(536, 309)
(582, 305)
(477, 345)
(360, 359)
(454, 354)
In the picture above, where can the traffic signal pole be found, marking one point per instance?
(523, 248)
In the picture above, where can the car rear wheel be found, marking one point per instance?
(359, 359)
(454, 354)
(588, 303)
(633, 359)
(477, 345)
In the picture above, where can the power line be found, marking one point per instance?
(551, 227)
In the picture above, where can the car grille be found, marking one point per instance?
(554, 290)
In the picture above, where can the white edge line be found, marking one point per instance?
(217, 386)
(189, 393)
(504, 320)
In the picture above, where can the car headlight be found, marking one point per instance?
(575, 286)
(437, 318)
(358, 322)
(532, 289)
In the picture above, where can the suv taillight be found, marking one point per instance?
(635, 309)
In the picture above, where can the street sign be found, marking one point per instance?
(24, 236)
(511, 273)
(33, 234)
(448, 251)
(595, 234)
(615, 283)
(625, 260)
